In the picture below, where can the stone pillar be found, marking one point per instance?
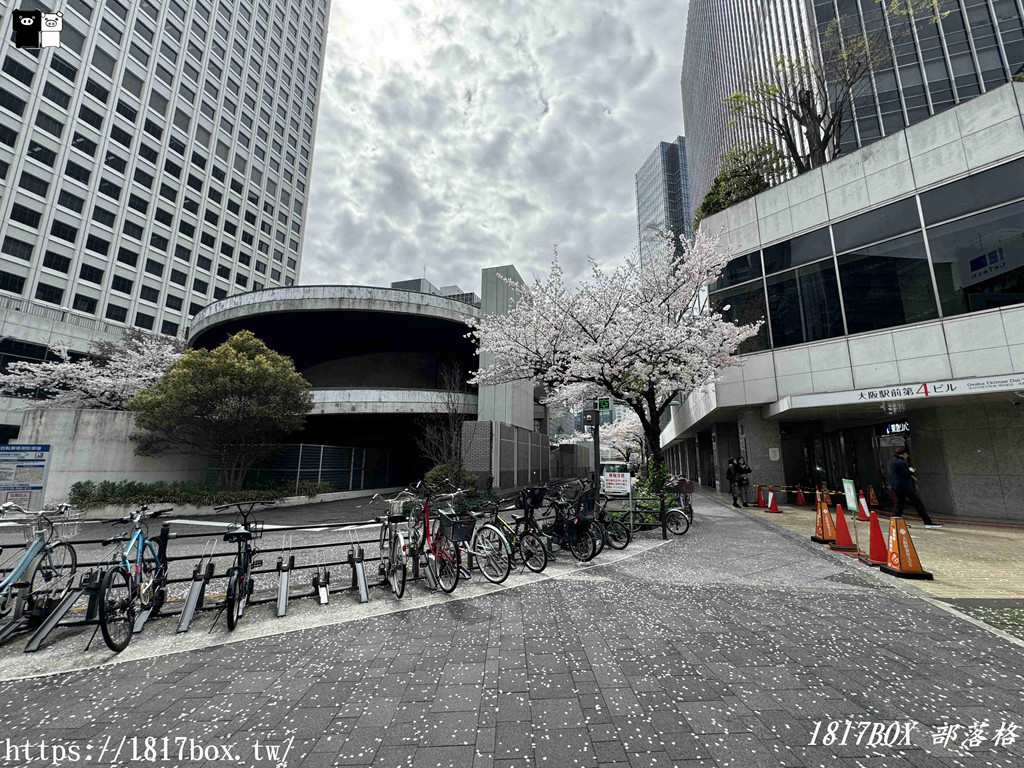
(761, 445)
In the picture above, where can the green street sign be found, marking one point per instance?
(604, 403)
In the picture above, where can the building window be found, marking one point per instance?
(110, 189)
(24, 215)
(85, 304)
(148, 293)
(154, 267)
(804, 304)
(51, 294)
(138, 203)
(103, 216)
(116, 313)
(132, 229)
(91, 274)
(121, 284)
(168, 328)
(204, 263)
(977, 260)
(33, 184)
(144, 321)
(173, 302)
(56, 262)
(127, 256)
(97, 245)
(11, 283)
(799, 250)
(178, 277)
(64, 231)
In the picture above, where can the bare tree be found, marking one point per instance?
(805, 100)
(440, 433)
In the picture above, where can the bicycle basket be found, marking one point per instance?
(456, 527)
(532, 498)
(67, 525)
(685, 486)
(31, 527)
(255, 527)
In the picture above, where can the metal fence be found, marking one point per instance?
(345, 468)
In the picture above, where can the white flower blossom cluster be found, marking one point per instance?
(642, 332)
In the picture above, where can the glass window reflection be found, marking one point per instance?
(746, 305)
(979, 260)
(799, 250)
(804, 304)
(738, 270)
(879, 224)
(887, 284)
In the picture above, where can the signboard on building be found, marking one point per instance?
(850, 490)
(616, 482)
(917, 391)
(23, 473)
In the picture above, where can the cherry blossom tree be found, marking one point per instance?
(641, 332)
(107, 379)
(624, 437)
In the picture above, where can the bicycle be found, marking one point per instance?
(438, 538)
(570, 528)
(136, 581)
(613, 532)
(491, 549)
(523, 537)
(240, 578)
(644, 516)
(44, 572)
(393, 557)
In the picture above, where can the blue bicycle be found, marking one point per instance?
(136, 582)
(45, 569)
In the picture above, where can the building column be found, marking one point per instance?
(761, 445)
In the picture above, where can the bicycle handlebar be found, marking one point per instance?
(240, 503)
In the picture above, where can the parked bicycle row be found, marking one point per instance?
(43, 583)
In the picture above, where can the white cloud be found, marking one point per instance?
(460, 134)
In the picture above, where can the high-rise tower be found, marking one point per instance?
(662, 193)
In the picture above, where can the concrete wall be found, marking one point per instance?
(761, 446)
(508, 403)
(94, 445)
(970, 459)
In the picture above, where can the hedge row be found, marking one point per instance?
(128, 493)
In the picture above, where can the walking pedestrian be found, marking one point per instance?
(742, 471)
(733, 478)
(902, 482)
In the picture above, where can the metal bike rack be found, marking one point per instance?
(322, 578)
(429, 572)
(201, 575)
(89, 582)
(284, 568)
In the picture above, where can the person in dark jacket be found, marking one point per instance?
(733, 478)
(742, 470)
(901, 480)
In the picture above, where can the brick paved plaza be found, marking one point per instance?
(721, 648)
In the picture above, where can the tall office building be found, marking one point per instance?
(156, 161)
(978, 45)
(663, 193)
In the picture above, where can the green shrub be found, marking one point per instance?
(1019, 77)
(452, 473)
(129, 493)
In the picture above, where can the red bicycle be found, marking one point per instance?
(438, 536)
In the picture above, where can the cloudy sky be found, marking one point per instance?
(459, 134)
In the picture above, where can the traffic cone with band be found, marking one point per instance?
(876, 554)
(843, 542)
(800, 500)
(862, 508)
(773, 505)
(824, 528)
(760, 498)
(903, 559)
(872, 499)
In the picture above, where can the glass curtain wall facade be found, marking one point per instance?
(976, 46)
(946, 251)
(731, 44)
(158, 159)
(663, 194)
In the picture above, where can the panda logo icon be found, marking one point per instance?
(53, 23)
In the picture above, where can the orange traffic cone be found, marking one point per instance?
(872, 499)
(876, 554)
(903, 559)
(800, 500)
(824, 528)
(843, 542)
(773, 505)
(760, 498)
(862, 508)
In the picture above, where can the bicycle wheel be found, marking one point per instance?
(232, 598)
(598, 533)
(583, 547)
(385, 554)
(688, 510)
(676, 522)
(118, 608)
(445, 563)
(54, 572)
(532, 552)
(492, 553)
(616, 534)
(396, 565)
